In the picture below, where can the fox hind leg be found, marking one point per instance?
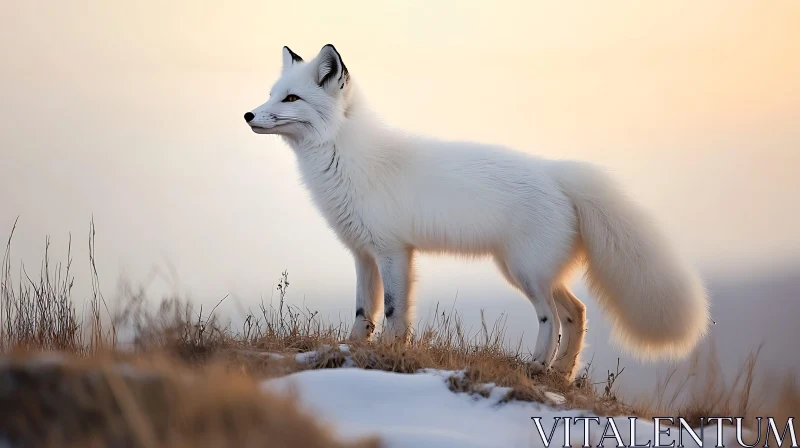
(549, 324)
(536, 288)
(534, 264)
(572, 313)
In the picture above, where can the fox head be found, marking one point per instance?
(308, 101)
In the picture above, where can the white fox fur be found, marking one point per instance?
(388, 194)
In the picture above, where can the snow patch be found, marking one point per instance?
(555, 398)
(314, 356)
(306, 357)
(413, 410)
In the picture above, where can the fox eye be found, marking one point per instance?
(290, 98)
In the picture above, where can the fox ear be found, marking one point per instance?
(331, 71)
(290, 58)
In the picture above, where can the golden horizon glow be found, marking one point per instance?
(694, 106)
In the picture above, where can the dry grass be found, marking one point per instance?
(38, 312)
(701, 392)
(707, 392)
(40, 315)
(788, 403)
(61, 401)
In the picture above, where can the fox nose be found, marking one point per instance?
(248, 117)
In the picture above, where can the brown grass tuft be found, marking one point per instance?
(57, 400)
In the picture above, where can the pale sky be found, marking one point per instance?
(131, 112)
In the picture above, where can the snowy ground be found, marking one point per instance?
(419, 410)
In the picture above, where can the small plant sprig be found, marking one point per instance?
(612, 377)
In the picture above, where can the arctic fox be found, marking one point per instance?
(388, 194)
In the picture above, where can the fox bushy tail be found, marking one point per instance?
(656, 302)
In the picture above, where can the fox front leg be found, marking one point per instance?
(395, 269)
(369, 291)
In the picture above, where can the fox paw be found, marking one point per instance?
(566, 374)
(362, 330)
(537, 368)
(395, 333)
